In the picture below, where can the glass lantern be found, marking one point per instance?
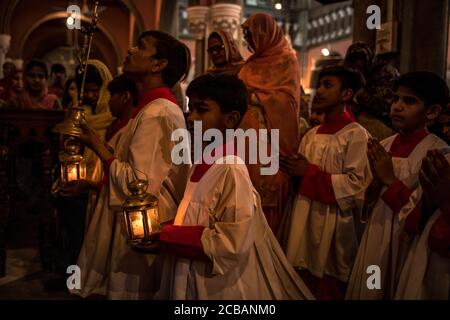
(140, 213)
(72, 163)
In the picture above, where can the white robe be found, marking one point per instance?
(324, 238)
(247, 261)
(384, 243)
(109, 266)
(425, 274)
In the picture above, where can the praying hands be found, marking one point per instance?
(380, 163)
(434, 177)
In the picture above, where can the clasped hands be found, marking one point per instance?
(294, 166)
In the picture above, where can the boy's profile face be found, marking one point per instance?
(408, 111)
(328, 93)
(208, 112)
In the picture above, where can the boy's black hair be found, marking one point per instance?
(175, 52)
(37, 63)
(428, 86)
(92, 76)
(229, 92)
(57, 67)
(349, 78)
(124, 83)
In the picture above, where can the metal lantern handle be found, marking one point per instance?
(137, 178)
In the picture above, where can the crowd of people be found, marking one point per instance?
(363, 180)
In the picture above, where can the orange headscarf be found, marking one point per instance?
(273, 74)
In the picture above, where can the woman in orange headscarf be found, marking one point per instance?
(224, 53)
(272, 76)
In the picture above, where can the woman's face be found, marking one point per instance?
(17, 83)
(216, 51)
(91, 94)
(73, 91)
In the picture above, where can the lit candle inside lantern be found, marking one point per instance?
(153, 220)
(137, 225)
(72, 173)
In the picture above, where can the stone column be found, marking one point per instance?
(198, 21)
(424, 36)
(5, 40)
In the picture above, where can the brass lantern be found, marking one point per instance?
(71, 125)
(73, 165)
(140, 212)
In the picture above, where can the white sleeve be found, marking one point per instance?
(349, 187)
(231, 237)
(149, 158)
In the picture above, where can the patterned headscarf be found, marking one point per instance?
(232, 54)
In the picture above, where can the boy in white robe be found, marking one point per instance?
(426, 271)
(144, 151)
(395, 164)
(220, 245)
(324, 223)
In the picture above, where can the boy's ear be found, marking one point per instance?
(347, 95)
(159, 65)
(433, 112)
(126, 97)
(232, 119)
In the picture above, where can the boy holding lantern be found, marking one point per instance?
(220, 245)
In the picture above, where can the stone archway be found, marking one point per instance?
(58, 38)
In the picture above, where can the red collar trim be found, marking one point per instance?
(402, 146)
(201, 168)
(153, 94)
(335, 123)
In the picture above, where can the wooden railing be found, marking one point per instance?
(28, 153)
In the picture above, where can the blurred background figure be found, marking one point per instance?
(57, 79)
(372, 103)
(35, 91)
(70, 94)
(8, 68)
(12, 89)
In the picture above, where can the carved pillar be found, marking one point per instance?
(198, 21)
(5, 40)
(226, 16)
